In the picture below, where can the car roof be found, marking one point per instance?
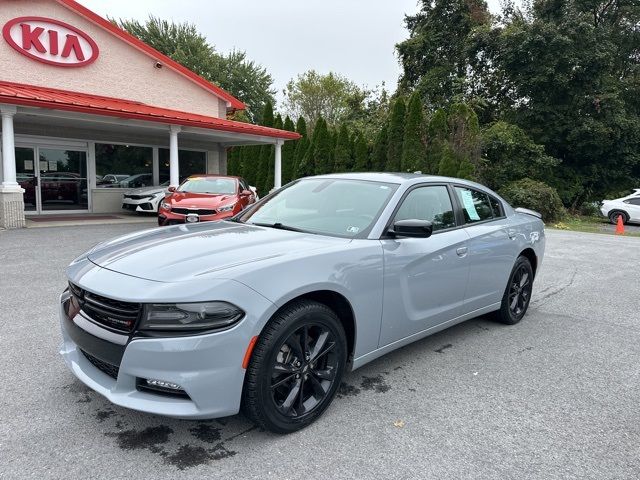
(400, 178)
(212, 175)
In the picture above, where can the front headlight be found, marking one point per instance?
(165, 205)
(227, 208)
(190, 317)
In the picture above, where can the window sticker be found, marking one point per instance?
(353, 229)
(467, 202)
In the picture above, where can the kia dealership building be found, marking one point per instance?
(88, 111)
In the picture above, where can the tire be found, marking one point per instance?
(517, 294)
(285, 390)
(613, 216)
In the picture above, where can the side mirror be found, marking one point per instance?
(246, 193)
(171, 189)
(412, 228)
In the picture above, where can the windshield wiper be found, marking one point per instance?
(279, 226)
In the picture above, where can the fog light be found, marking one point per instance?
(163, 384)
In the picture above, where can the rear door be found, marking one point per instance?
(633, 208)
(424, 278)
(492, 247)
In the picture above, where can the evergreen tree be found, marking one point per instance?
(265, 155)
(379, 156)
(449, 164)
(322, 148)
(302, 145)
(343, 151)
(437, 135)
(413, 151)
(361, 154)
(288, 153)
(233, 161)
(395, 136)
(250, 157)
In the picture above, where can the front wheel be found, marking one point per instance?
(295, 368)
(517, 295)
(613, 217)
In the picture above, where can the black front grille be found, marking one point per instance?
(113, 314)
(111, 370)
(197, 211)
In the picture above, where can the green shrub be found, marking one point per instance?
(536, 196)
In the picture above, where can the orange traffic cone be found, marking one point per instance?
(620, 226)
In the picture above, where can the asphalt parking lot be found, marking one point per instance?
(557, 396)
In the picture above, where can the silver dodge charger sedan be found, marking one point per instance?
(266, 311)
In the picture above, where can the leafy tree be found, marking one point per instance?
(465, 139)
(288, 153)
(342, 153)
(435, 57)
(380, 149)
(413, 149)
(361, 154)
(313, 95)
(536, 196)
(302, 145)
(182, 42)
(509, 153)
(395, 135)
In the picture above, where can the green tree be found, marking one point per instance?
(313, 95)
(342, 155)
(437, 141)
(266, 154)
(322, 148)
(395, 135)
(361, 154)
(182, 42)
(436, 56)
(302, 146)
(413, 149)
(380, 149)
(288, 153)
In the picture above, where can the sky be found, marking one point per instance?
(354, 38)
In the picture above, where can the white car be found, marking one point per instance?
(144, 199)
(628, 207)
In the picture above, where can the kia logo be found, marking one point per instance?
(50, 41)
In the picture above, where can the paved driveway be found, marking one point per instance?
(557, 396)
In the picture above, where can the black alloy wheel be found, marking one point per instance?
(295, 368)
(517, 294)
(613, 217)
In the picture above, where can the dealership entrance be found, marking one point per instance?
(53, 178)
(88, 111)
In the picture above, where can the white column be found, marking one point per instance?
(174, 168)
(278, 170)
(8, 151)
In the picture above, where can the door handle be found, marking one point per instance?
(512, 234)
(462, 251)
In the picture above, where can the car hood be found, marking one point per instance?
(211, 249)
(198, 200)
(145, 191)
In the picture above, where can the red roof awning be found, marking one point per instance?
(50, 98)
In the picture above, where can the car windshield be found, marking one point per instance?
(208, 185)
(338, 207)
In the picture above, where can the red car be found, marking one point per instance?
(202, 198)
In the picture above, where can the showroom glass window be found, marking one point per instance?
(432, 204)
(190, 162)
(123, 166)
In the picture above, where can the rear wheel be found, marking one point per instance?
(295, 368)
(613, 217)
(517, 295)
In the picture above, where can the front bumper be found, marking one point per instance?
(166, 218)
(207, 367)
(145, 205)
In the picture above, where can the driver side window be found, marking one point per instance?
(428, 203)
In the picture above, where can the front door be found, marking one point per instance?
(54, 179)
(425, 279)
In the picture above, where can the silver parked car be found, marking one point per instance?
(268, 310)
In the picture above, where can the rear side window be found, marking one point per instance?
(633, 201)
(496, 207)
(428, 203)
(475, 205)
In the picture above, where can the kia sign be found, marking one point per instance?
(50, 41)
